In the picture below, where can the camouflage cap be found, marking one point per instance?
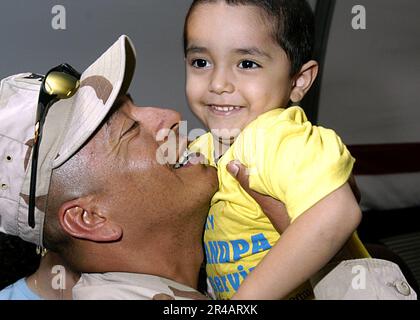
(69, 124)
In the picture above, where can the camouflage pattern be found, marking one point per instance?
(131, 286)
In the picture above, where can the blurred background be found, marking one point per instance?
(368, 91)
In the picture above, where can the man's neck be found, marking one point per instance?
(175, 254)
(52, 280)
(177, 262)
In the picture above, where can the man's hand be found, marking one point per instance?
(273, 209)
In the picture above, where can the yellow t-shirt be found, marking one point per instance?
(290, 160)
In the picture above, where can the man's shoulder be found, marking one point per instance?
(130, 286)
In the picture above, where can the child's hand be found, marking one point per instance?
(273, 209)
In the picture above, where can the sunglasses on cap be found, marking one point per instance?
(59, 83)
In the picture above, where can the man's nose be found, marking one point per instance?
(158, 120)
(221, 81)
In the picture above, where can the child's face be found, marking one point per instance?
(235, 69)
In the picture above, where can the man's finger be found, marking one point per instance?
(240, 173)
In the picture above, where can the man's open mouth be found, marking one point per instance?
(189, 159)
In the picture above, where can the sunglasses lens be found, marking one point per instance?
(62, 85)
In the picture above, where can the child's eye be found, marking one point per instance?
(200, 63)
(248, 64)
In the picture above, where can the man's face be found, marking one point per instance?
(137, 190)
(235, 69)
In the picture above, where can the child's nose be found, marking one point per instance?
(221, 82)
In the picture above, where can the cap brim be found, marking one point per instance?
(100, 85)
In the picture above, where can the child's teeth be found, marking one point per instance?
(225, 109)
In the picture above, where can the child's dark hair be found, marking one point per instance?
(292, 24)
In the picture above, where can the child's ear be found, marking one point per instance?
(303, 81)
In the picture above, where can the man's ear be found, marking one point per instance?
(303, 81)
(81, 219)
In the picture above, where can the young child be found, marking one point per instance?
(245, 61)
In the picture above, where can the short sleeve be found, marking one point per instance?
(297, 163)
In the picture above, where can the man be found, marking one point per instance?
(104, 202)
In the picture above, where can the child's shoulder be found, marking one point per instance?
(203, 140)
(289, 129)
(293, 118)
(204, 145)
(291, 115)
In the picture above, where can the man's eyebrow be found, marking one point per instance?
(252, 51)
(115, 107)
(110, 117)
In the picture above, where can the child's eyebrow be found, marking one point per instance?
(196, 49)
(252, 51)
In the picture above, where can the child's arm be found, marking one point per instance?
(304, 248)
